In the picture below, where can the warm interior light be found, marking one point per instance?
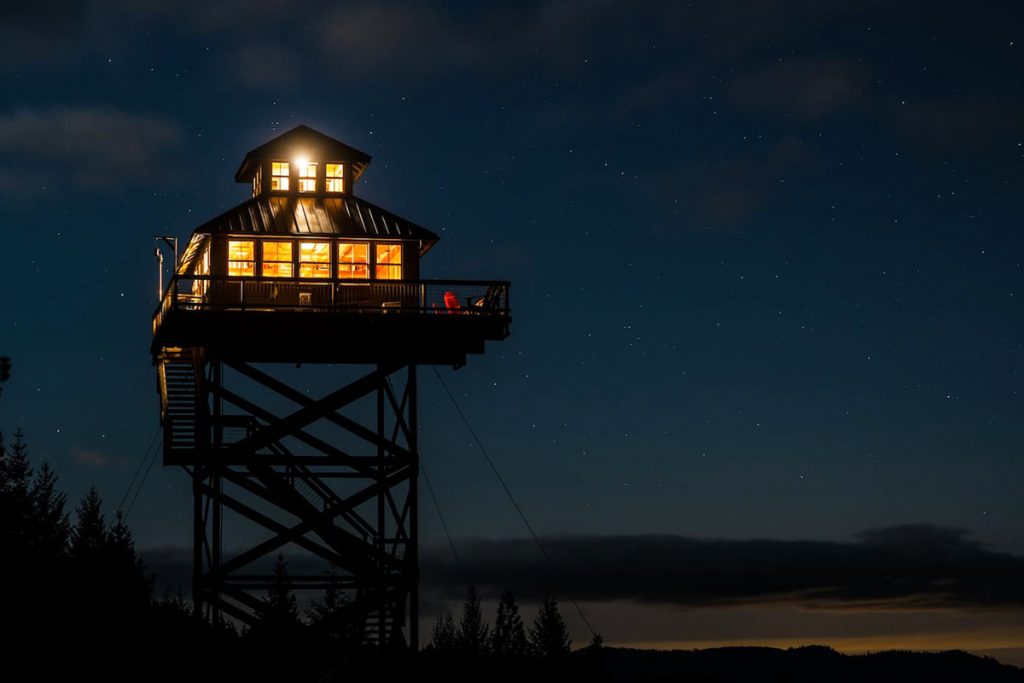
(301, 162)
(389, 262)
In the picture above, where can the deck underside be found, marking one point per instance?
(278, 336)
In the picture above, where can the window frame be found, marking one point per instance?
(353, 263)
(329, 179)
(388, 265)
(252, 262)
(282, 180)
(303, 178)
(264, 262)
(328, 262)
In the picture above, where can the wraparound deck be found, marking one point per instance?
(332, 320)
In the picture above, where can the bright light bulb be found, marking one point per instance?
(301, 163)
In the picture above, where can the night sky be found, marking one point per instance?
(766, 284)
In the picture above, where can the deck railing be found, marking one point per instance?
(218, 293)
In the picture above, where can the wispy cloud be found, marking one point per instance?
(85, 456)
(84, 147)
(808, 88)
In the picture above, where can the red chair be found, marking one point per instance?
(451, 302)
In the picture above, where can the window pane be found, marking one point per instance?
(240, 268)
(389, 272)
(389, 253)
(314, 270)
(307, 184)
(279, 183)
(319, 252)
(277, 251)
(277, 269)
(335, 170)
(239, 250)
(308, 171)
(335, 185)
(279, 168)
(359, 271)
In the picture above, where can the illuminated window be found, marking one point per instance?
(389, 262)
(314, 259)
(257, 181)
(307, 176)
(279, 172)
(335, 177)
(277, 259)
(354, 260)
(241, 259)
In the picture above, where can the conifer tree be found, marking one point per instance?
(279, 610)
(443, 635)
(509, 637)
(549, 636)
(89, 535)
(124, 567)
(50, 528)
(15, 503)
(326, 616)
(472, 641)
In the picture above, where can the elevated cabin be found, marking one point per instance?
(306, 271)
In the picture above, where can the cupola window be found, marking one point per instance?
(279, 172)
(315, 259)
(335, 177)
(307, 176)
(277, 259)
(389, 262)
(354, 260)
(241, 259)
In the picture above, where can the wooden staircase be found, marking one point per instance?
(180, 412)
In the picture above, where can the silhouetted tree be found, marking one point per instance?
(443, 635)
(509, 637)
(89, 535)
(279, 609)
(326, 617)
(15, 501)
(471, 639)
(548, 634)
(50, 527)
(124, 568)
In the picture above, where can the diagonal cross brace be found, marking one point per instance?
(333, 416)
(312, 412)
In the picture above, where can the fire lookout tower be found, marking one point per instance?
(305, 272)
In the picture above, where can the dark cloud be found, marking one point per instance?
(84, 147)
(903, 567)
(916, 566)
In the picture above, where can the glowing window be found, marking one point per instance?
(389, 262)
(335, 177)
(279, 172)
(314, 259)
(277, 259)
(241, 260)
(307, 176)
(257, 181)
(354, 260)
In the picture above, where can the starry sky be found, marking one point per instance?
(766, 266)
